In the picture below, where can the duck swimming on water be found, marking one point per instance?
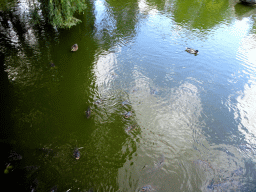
(88, 113)
(76, 153)
(74, 47)
(192, 51)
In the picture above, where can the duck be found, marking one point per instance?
(76, 153)
(74, 47)
(88, 113)
(192, 51)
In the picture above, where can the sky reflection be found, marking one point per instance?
(246, 100)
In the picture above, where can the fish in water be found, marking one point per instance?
(135, 89)
(45, 152)
(76, 153)
(153, 91)
(52, 64)
(14, 156)
(128, 114)
(146, 188)
(99, 101)
(125, 103)
(228, 185)
(88, 113)
(54, 189)
(157, 165)
(130, 128)
(160, 162)
(238, 172)
(248, 149)
(204, 165)
(192, 51)
(74, 47)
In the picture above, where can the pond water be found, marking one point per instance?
(160, 118)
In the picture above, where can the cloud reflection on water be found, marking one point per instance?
(246, 100)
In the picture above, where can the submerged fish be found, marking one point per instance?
(130, 128)
(45, 152)
(128, 114)
(160, 162)
(238, 172)
(135, 89)
(99, 101)
(147, 188)
(125, 103)
(157, 165)
(76, 153)
(14, 156)
(54, 189)
(88, 113)
(248, 149)
(114, 75)
(204, 165)
(52, 64)
(153, 91)
(228, 185)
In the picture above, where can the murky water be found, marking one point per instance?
(142, 113)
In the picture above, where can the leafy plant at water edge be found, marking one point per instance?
(60, 12)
